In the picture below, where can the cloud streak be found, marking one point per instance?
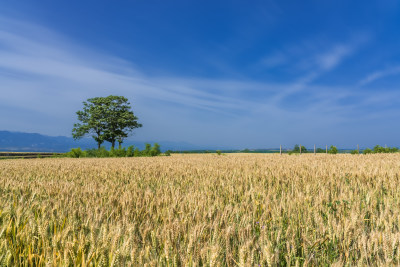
(379, 75)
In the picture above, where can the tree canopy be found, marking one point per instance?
(107, 119)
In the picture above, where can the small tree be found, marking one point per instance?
(137, 153)
(379, 149)
(333, 150)
(296, 149)
(155, 150)
(130, 151)
(367, 151)
(147, 150)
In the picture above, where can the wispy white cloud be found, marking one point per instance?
(379, 75)
(334, 57)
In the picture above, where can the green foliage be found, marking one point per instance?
(219, 152)
(137, 153)
(76, 153)
(296, 149)
(147, 150)
(368, 151)
(107, 119)
(380, 149)
(130, 151)
(320, 150)
(168, 153)
(354, 152)
(155, 150)
(102, 152)
(118, 153)
(332, 150)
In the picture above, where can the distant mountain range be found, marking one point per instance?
(33, 142)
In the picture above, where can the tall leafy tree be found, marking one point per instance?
(107, 118)
(92, 120)
(121, 120)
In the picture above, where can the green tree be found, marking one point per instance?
(120, 119)
(367, 151)
(379, 149)
(332, 150)
(107, 118)
(155, 150)
(147, 150)
(354, 152)
(296, 149)
(92, 121)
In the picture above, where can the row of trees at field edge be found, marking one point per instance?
(106, 119)
(102, 152)
(377, 149)
(296, 149)
(334, 150)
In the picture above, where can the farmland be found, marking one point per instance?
(201, 210)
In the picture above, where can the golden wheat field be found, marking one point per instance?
(201, 210)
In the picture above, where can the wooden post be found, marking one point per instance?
(314, 150)
(300, 149)
(358, 149)
(326, 149)
(280, 149)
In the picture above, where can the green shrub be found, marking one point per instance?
(354, 152)
(130, 151)
(332, 150)
(367, 151)
(137, 153)
(379, 149)
(147, 150)
(155, 150)
(102, 153)
(117, 153)
(219, 152)
(76, 153)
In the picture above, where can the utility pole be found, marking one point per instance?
(300, 149)
(326, 149)
(314, 150)
(280, 150)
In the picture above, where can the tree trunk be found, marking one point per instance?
(119, 144)
(113, 144)
(98, 145)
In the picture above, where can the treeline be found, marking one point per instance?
(296, 150)
(102, 152)
(377, 149)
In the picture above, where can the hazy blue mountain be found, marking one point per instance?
(33, 142)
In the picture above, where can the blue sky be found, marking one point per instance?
(229, 73)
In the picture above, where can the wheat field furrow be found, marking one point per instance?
(201, 210)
